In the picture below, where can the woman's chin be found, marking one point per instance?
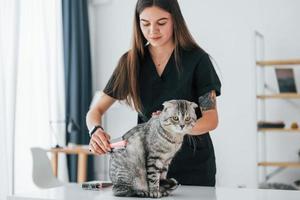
(157, 43)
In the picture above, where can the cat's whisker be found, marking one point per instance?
(167, 124)
(194, 144)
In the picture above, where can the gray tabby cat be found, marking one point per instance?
(141, 168)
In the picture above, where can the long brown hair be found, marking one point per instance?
(126, 84)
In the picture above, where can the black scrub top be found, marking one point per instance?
(194, 164)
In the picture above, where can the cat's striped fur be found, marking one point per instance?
(141, 168)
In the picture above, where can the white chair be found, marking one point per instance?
(42, 174)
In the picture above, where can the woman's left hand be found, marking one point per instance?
(156, 113)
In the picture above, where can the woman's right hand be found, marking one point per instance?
(99, 142)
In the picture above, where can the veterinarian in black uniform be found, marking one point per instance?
(187, 74)
(195, 163)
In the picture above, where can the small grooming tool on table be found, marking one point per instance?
(95, 185)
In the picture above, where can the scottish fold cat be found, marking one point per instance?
(140, 169)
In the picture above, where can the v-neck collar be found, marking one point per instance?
(153, 67)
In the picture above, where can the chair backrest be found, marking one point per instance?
(42, 174)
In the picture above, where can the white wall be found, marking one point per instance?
(226, 30)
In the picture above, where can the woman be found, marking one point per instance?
(164, 63)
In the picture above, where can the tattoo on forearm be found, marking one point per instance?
(207, 101)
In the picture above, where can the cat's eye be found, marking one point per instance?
(187, 119)
(175, 118)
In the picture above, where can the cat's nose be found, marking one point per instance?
(181, 126)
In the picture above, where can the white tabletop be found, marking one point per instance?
(74, 192)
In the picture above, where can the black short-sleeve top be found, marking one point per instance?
(195, 77)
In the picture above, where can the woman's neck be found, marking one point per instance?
(161, 50)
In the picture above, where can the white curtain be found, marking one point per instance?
(8, 70)
(40, 110)
(37, 88)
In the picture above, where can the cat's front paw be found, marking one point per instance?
(155, 194)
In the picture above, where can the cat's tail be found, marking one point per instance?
(168, 185)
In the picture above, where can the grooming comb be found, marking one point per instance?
(118, 143)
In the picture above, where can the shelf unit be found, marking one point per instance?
(283, 63)
(262, 97)
(279, 96)
(291, 130)
(280, 164)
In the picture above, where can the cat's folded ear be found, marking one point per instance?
(194, 105)
(170, 103)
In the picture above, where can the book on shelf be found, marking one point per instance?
(286, 80)
(270, 124)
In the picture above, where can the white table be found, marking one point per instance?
(74, 192)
